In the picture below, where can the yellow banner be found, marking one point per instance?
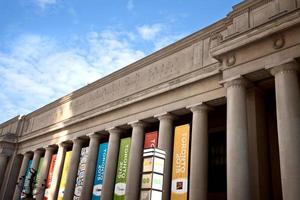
(180, 163)
(64, 176)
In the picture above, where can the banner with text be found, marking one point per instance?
(121, 177)
(80, 173)
(64, 176)
(49, 177)
(180, 163)
(101, 160)
(151, 140)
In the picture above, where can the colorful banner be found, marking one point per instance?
(121, 177)
(81, 172)
(26, 183)
(180, 163)
(101, 160)
(50, 175)
(64, 176)
(151, 140)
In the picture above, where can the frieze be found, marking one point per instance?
(166, 69)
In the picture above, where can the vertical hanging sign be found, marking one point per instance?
(81, 172)
(121, 177)
(151, 140)
(180, 163)
(50, 175)
(26, 183)
(101, 160)
(64, 176)
(37, 177)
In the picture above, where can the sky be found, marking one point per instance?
(49, 48)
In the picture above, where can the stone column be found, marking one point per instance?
(165, 142)
(199, 153)
(23, 169)
(135, 164)
(36, 159)
(90, 167)
(73, 169)
(57, 171)
(111, 164)
(238, 173)
(3, 164)
(288, 122)
(44, 172)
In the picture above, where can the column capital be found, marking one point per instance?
(38, 151)
(51, 148)
(286, 67)
(200, 107)
(78, 141)
(237, 81)
(114, 130)
(28, 154)
(165, 115)
(137, 123)
(94, 135)
(63, 145)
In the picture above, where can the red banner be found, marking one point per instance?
(151, 139)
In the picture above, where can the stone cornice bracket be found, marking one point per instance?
(138, 123)
(166, 115)
(287, 66)
(114, 130)
(200, 107)
(238, 81)
(230, 60)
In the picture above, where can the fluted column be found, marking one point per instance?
(111, 164)
(23, 169)
(199, 153)
(3, 164)
(288, 122)
(238, 173)
(73, 169)
(165, 142)
(57, 172)
(135, 161)
(44, 172)
(90, 167)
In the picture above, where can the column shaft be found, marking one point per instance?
(288, 122)
(57, 172)
(90, 167)
(73, 168)
(199, 153)
(133, 182)
(44, 172)
(238, 183)
(3, 164)
(165, 142)
(111, 164)
(36, 159)
(23, 169)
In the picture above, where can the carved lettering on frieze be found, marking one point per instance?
(166, 69)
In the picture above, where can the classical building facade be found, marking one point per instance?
(235, 84)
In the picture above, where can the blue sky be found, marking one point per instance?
(49, 48)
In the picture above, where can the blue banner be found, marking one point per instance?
(25, 188)
(99, 171)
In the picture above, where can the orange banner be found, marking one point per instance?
(180, 163)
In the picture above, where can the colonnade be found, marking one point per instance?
(238, 172)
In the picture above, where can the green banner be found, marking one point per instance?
(38, 174)
(121, 177)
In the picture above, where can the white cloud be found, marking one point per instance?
(149, 32)
(37, 69)
(44, 3)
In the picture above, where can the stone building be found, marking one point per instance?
(235, 82)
